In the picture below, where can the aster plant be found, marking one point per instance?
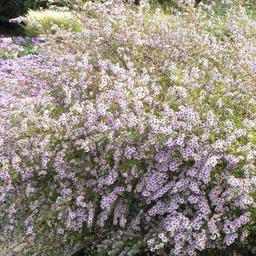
(136, 135)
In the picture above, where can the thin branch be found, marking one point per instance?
(116, 53)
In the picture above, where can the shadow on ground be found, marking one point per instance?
(79, 253)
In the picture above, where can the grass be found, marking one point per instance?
(42, 21)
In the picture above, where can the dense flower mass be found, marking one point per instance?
(137, 134)
(21, 46)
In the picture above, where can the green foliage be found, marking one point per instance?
(28, 48)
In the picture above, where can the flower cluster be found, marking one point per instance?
(11, 48)
(136, 134)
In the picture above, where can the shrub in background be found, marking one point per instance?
(14, 8)
(10, 8)
(32, 4)
(135, 135)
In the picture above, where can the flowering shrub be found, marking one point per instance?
(136, 134)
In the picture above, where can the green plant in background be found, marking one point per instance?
(44, 21)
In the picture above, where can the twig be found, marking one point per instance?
(116, 53)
